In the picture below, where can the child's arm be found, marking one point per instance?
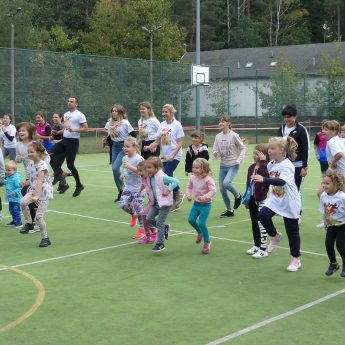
(189, 190)
(242, 148)
(177, 149)
(38, 191)
(130, 167)
(268, 180)
(171, 182)
(337, 156)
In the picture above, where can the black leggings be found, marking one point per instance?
(291, 227)
(335, 234)
(67, 148)
(259, 232)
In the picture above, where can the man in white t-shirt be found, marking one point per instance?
(74, 123)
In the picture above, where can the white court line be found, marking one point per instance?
(275, 318)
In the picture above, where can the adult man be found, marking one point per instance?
(74, 123)
(295, 130)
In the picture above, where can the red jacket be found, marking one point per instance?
(260, 189)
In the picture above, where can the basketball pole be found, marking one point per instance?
(197, 61)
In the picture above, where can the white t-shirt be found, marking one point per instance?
(11, 131)
(119, 131)
(335, 145)
(132, 180)
(333, 208)
(22, 151)
(47, 187)
(73, 120)
(169, 133)
(284, 200)
(288, 130)
(148, 128)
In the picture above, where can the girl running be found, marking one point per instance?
(332, 206)
(40, 191)
(162, 186)
(202, 188)
(284, 198)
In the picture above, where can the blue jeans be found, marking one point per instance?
(226, 175)
(14, 208)
(116, 162)
(202, 211)
(169, 168)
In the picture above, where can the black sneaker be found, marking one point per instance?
(166, 230)
(26, 228)
(59, 187)
(63, 188)
(45, 242)
(10, 223)
(118, 196)
(332, 268)
(56, 179)
(342, 274)
(159, 247)
(227, 213)
(238, 201)
(78, 190)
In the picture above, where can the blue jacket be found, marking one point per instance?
(13, 189)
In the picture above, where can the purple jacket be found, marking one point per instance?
(260, 189)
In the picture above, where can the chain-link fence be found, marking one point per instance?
(254, 98)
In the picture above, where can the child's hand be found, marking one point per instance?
(189, 198)
(125, 164)
(166, 192)
(34, 199)
(257, 178)
(19, 158)
(237, 163)
(121, 177)
(21, 184)
(261, 156)
(216, 154)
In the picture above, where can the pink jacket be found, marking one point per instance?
(160, 187)
(204, 188)
(151, 199)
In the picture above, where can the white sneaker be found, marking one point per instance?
(320, 226)
(252, 250)
(295, 265)
(260, 254)
(274, 242)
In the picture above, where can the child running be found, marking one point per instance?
(40, 191)
(162, 187)
(335, 148)
(150, 230)
(256, 202)
(202, 185)
(132, 198)
(332, 206)
(13, 193)
(229, 147)
(284, 198)
(198, 149)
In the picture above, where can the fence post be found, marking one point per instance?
(228, 90)
(256, 106)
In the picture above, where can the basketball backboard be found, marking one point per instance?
(200, 75)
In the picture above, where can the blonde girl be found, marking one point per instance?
(148, 126)
(150, 230)
(332, 206)
(132, 198)
(162, 186)
(118, 128)
(202, 189)
(335, 148)
(284, 198)
(40, 191)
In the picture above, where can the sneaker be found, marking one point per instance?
(199, 238)
(78, 190)
(206, 248)
(295, 265)
(154, 237)
(174, 208)
(227, 213)
(342, 274)
(260, 254)
(134, 221)
(159, 247)
(146, 240)
(252, 250)
(45, 242)
(332, 268)
(10, 223)
(166, 230)
(274, 242)
(59, 187)
(18, 225)
(35, 229)
(26, 228)
(63, 188)
(321, 225)
(118, 196)
(139, 234)
(238, 201)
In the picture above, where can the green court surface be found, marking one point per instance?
(96, 286)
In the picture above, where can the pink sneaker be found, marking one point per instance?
(133, 221)
(206, 248)
(198, 238)
(139, 234)
(144, 240)
(154, 237)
